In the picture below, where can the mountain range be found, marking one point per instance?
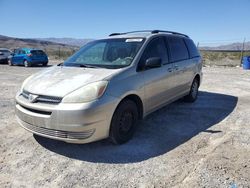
(230, 47)
(12, 43)
(68, 41)
(73, 43)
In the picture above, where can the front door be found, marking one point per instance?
(158, 81)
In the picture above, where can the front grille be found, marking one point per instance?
(59, 133)
(36, 111)
(43, 98)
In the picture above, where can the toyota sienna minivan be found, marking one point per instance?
(108, 85)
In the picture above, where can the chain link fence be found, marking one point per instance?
(60, 53)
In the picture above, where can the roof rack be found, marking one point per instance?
(141, 31)
(151, 31)
(171, 32)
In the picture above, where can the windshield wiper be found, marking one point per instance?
(77, 65)
(88, 66)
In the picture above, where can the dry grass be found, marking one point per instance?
(231, 59)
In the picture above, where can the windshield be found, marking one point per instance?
(108, 53)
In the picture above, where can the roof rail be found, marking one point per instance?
(150, 31)
(113, 34)
(141, 31)
(172, 32)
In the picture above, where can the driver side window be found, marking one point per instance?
(155, 48)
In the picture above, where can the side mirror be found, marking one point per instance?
(153, 62)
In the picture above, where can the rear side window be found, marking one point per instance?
(177, 48)
(193, 51)
(37, 52)
(22, 52)
(155, 48)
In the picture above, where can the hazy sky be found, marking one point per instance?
(207, 21)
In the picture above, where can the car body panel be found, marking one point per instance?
(155, 88)
(52, 81)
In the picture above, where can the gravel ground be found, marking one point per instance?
(204, 144)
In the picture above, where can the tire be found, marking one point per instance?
(45, 64)
(193, 94)
(26, 63)
(10, 62)
(124, 122)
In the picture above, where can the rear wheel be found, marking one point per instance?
(26, 63)
(10, 62)
(192, 96)
(45, 64)
(124, 122)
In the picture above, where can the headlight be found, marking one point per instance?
(86, 93)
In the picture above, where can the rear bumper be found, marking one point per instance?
(74, 123)
(38, 61)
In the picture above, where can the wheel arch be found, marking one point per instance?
(198, 77)
(137, 100)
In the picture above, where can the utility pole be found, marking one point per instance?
(59, 54)
(197, 45)
(242, 50)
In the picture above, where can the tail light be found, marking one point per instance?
(29, 55)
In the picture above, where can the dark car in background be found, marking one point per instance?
(28, 57)
(4, 54)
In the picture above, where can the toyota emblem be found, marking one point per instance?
(32, 98)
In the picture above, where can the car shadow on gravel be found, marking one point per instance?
(157, 134)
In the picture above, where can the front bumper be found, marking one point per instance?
(74, 123)
(38, 61)
(3, 59)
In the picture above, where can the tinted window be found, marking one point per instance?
(192, 48)
(37, 52)
(21, 52)
(178, 49)
(155, 48)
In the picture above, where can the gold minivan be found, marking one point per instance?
(108, 85)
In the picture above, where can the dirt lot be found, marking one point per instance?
(205, 144)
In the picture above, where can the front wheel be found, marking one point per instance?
(26, 63)
(192, 96)
(124, 122)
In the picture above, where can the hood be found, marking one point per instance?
(60, 80)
